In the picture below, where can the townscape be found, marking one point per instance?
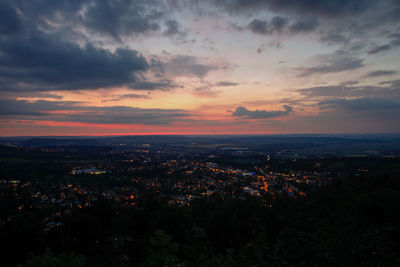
(142, 172)
(86, 194)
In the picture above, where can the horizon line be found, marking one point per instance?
(189, 134)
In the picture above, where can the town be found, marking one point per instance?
(128, 174)
(198, 201)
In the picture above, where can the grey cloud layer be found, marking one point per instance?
(109, 17)
(334, 22)
(226, 83)
(379, 73)
(9, 21)
(42, 110)
(353, 108)
(335, 62)
(345, 91)
(34, 49)
(279, 24)
(321, 7)
(117, 18)
(386, 47)
(362, 104)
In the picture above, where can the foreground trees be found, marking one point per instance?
(351, 223)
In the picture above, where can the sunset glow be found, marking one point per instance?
(199, 67)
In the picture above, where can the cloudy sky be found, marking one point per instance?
(102, 67)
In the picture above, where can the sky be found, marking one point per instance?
(125, 67)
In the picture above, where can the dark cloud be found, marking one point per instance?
(278, 24)
(335, 62)
(259, 26)
(330, 8)
(335, 97)
(163, 85)
(124, 96)
(393, 83)
(335, 91)
(117, 18)
(395, 35)
(336, 66)
(304, 25)
(275, 25)
(11, 107)
(121, 18)
(30, 95)
(38, 11)
(46, 59)
(393, 13)
(128, 115)
(382, 48)
(226, 83)
(9, 19)
(336, 120)
(379, 73)
(362, 104)
(379, 49)
(42, 62)
(395, 42)
(261, 114)
(173, 28)
(351, 109)
(45, 110)
(335, 21)
(349, 83)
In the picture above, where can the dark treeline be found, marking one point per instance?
(353, 222)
